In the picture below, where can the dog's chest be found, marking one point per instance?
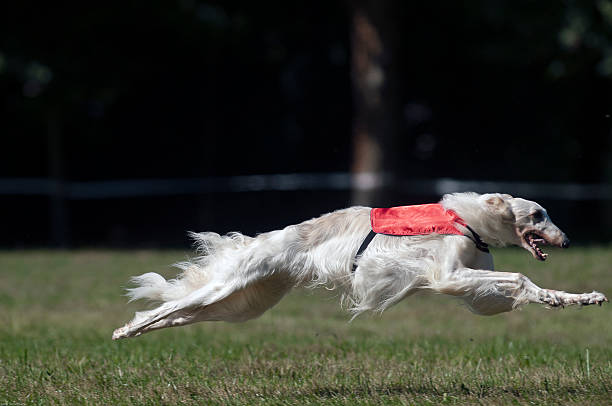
(477, 259)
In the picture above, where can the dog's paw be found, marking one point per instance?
(592, 298)
(121, 332)
(555, 298)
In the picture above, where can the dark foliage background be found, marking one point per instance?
(485, 90)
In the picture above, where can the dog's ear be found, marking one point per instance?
(500, 205)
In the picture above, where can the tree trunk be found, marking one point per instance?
(374, 124)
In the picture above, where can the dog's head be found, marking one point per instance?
(529, 223)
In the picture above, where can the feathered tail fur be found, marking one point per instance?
(196, 273)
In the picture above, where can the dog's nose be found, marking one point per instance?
(565, 243)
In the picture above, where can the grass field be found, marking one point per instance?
(58, 310)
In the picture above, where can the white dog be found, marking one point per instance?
(237, 278)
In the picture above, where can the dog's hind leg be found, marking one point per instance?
(239, 305)
(200, 298)
(144, 319)
(489, 292)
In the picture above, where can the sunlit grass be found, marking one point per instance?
(58, 310)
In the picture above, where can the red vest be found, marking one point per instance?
(421, 219)
(415, 220)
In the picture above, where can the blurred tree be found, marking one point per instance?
(375, 102)
(488, 89)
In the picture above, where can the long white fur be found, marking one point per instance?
(236, 278)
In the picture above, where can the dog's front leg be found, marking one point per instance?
(489, 292)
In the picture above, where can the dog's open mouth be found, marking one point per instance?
(533, 240)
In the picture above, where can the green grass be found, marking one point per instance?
(58, 310)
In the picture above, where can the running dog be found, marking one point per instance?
(376, 257)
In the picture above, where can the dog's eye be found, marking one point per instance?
(538, 216)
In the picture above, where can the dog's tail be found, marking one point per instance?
(212, 249)
(148, 286)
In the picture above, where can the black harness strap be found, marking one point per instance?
(480, 245)
(363, 247)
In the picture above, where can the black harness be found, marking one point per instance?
(480, 245)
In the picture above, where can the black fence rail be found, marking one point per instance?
(157, 212)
